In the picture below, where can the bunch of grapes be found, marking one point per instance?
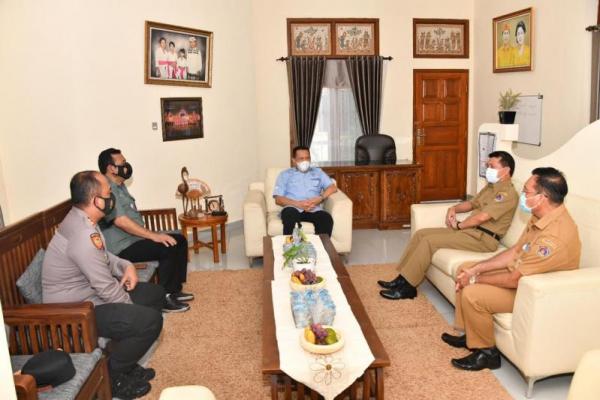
(306, 276)
(320, 333)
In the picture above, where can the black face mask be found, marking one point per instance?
(109, 204)
(124, 171)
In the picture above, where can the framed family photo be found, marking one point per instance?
(440, 38)
(513, 41)
(181, 118)
(175, 55)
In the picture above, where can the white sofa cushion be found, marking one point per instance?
(448, 260)
(504, 320)
(272, 174)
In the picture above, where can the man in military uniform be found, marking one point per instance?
(550, 242)
(300, 191)
(492, 212)
(127, 237)
(77, 267)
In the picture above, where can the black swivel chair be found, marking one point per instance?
(375, 149)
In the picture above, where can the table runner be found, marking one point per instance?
(327, 374)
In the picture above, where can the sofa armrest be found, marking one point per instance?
(585, 384)
(339, 206)
(557, 311)
(431, 215)
(25, 387)
(260, 186)
(255, 222)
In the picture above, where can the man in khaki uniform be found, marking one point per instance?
(550, 242)
(492, 212)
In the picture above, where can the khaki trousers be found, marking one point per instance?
(417, 256)
(475, 308)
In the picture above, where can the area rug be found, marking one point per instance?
(217, 343)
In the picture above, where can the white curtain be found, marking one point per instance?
(337, 125)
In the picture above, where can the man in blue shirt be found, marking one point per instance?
(300, 191)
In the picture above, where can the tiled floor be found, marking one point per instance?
(377, 247)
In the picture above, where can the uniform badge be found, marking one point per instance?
(544, 251)
(97, 241)
(500, 196)
(526, 247)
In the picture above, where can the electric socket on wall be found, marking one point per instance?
(155, 126)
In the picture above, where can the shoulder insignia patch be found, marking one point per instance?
(544, 251)
(500, 196)
(97, 241)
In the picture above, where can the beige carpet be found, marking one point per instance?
(218, 342)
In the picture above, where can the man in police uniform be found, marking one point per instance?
(77, 267)
(127, 237)
(550, 242)
(300, 191)
(492, 212)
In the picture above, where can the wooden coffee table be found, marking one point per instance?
(372, 379)
(206, 221)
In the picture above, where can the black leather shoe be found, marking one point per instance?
(455, 341)
(139, 372)
(403, 292)
(173, 306)
(125, 387)
(478, 360)
(397, 282)
(182, 296)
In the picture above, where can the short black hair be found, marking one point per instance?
(552, 183)
(105, 159)
(521, 25)
(84, 187)
(297, 149)
(506, 160)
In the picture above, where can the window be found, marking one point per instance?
(337, 126)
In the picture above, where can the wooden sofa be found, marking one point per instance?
(69, 326)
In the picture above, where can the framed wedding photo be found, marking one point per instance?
(513, 41)
(181, 118)
(178, 56)
(440, 38)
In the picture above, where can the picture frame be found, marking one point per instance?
(512, 41)
(440, 38)
(177, 56)
(214, 204)
(181, 118)
(333, 37)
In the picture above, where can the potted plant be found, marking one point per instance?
(506, 102)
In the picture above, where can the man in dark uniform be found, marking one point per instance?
(127, 237)
(77, 267)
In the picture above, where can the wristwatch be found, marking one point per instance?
(473, 280)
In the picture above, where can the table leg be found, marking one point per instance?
(223, 239)
(196, 248)
(274, 387)
(184, 233)
(215, 243)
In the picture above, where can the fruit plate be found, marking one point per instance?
(298, 287)
(322, 348)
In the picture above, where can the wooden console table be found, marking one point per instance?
(370, 384)
(381, 194)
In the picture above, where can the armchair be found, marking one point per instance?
(261, 217)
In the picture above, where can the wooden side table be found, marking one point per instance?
(205, 221)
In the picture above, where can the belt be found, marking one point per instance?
(487, 231)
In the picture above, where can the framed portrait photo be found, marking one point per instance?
(513, 41)
(358, 37)
(309, 37)
(440, 38)
(179, 56)
(181, 118)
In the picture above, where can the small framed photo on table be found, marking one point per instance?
(181, 118)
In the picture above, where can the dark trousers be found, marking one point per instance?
(133, 327)
(321, 220)
(172, 260)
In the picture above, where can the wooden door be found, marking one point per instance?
(440, 115)
(399, 190)
(363, 189)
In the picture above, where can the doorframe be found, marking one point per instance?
(466, 140)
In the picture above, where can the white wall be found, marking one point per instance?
(395, 27)
(75, 86)
(561, 71)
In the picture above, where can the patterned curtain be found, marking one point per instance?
(305, 80)
(366, 78)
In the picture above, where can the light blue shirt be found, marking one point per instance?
(297, 185)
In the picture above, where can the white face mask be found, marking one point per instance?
(303, 166)
(491, 175)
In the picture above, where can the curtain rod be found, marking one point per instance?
(593, 28)
(287, 58)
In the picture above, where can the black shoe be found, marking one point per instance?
(403, 292)
(397, 282)
(455, 341)
(173, 306)
(182, 296)
(125, 387)
(139, 372)
(478, 360)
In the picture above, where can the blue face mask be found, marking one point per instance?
(523, 203)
